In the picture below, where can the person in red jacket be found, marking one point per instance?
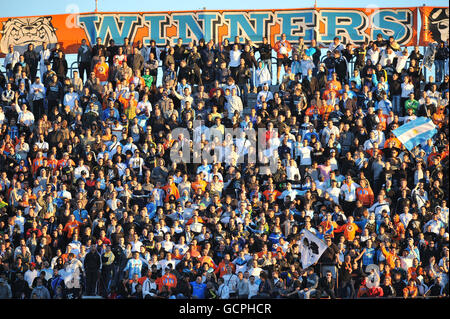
(364, 193)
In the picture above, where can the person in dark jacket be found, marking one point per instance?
(136, 60)
(60, 66)
(310, 283)
(439, 61)
(327, 284)
(340, 66)
(32, 60)
(92, 265)
(20, 288)
(395, 91)
(265, 53)
(388, 289)
(84, 57)
(55, 93)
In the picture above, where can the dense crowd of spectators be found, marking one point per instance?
(93, 202)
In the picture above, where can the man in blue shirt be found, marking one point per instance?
(80, 213)
(134, 266)
(198, 288)
(368, 254)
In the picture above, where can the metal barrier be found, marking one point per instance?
(74, 66)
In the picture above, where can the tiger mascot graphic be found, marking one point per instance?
(22, 31)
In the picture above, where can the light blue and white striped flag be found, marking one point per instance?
(415, 132)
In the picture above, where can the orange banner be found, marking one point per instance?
(434, 25)
(356, 25)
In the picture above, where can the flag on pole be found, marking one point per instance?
(428, 58)
(311, 248)
(415, 132)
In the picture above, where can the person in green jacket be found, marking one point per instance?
(148, 79)
(411, 103)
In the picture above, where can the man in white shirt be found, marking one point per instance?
(255, 270)
(387, 54)
(374, 54)
(144, 106)
(336, 45)
(231, 280)
(328, 130)
(26, 118)
(70, 97)
(223, 292)
(130, 146)
(37, 91)
(385, 104)
(44, 55)
(235, 57)
(11, 58)
(406, 216)
(80, 168)
(265, 92)
(289, 191)
(22, 148)
(334, 191)
(305, 156)
(31, 274)
(234, 104)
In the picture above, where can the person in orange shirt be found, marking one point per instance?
(438, 117)
(444, 153)
(71, 225)
(333, 85)
(328, 226)
(169, 280)
(364, 193)
(415, 270)
(349, 229)
(221, 269)
(107, 135)
(65, 256)
(37, 163)
(399, 227)
(177, 255)
(101, 70)
(282, 47)
(327, 108)
(265, 253)
(271, 190)
(52, 163)
(383, 118)
(410, 290)
(168, 142)
(313, 111)
(193, 250)
(391, 255)
(129, 104)
(137, 79)
(199, 184)
(171, 189)
(204, 258)
(393, 141)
